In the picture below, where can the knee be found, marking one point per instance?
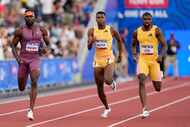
(34, 83)
(21, 87)
(34, 79)
(141, 82)
(141, 79)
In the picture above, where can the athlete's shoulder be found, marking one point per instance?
(154, 27)
(109, 26)
(139, 28)
(43, 29)
(157, 29)
(19, 30)
(39, 26)
(22, 26)
(91, 29)
(112, 30)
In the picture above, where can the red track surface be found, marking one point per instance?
(82, 108)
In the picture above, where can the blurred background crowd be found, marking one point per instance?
(65, 20)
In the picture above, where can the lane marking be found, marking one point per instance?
(152, 110)
(114, 103)
(131, 87)
(67, 101)
(63, 92)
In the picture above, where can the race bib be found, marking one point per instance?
(32, 47)
(101, 44)
(147, 49)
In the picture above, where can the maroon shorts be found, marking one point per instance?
(28, 66)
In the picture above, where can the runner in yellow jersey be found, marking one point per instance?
(101, 37)
(148, 36)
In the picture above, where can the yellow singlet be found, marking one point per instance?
(148, 43)
(103, 54)
(147, 63)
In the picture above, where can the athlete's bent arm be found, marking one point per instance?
(134, 45)
(91, 38)
(13, 44)
(45, 36)
(119, 42)
(46, 40)
(161, 39)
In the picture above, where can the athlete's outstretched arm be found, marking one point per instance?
(119, 42)
(134, 45)
(13, 44)
(91, 38)
(161, 39)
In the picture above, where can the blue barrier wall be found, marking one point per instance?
(52, 71)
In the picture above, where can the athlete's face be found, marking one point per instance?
(29, 19)
(100, 19)
(147, 21)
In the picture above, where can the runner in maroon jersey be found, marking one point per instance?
(30, 36)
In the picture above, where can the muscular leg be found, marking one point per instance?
(33, 93)
(22, 76)
(157, 85)
(142, 90)
(34, 75)
(99, 79)
(22, 83)
(155, 75)
(108, 74)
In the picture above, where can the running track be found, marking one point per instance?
(82, 108)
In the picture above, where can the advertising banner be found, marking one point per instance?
(64, 71)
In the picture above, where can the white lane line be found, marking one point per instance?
(63, 92)
(70, 91)
(51, 94)
(131, 87)
(99, 107)
(67, 101)
(152, 110)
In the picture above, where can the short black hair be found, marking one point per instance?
(100, 12)
(146, 14)
(30, 9)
